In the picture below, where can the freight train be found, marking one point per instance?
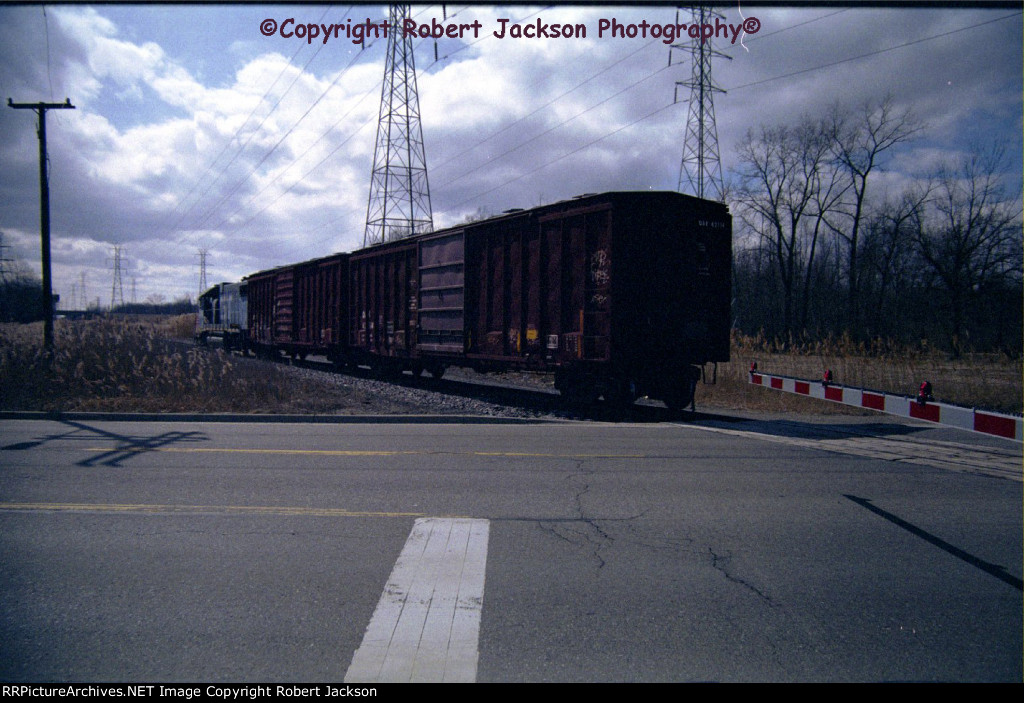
(620, 295)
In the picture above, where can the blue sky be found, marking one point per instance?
(194, 130)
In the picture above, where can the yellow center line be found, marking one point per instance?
(215, 509)
(344, 452)
(559, 456)
(207, 450)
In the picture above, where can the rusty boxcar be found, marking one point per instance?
(300, 309)
(619, 294)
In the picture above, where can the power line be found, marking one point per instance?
(252, 134)
(330, 129)
(748, 85)
(202, 271)
(46, 28)
(549, 103)
(872, 53)
(296, 183)
(577, 86)
(273, 148)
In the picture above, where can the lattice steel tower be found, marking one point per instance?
(202, 271)
(3, 258)
(700, 172)
(116, 288)
(399, 204)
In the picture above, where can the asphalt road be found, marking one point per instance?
(775, 549)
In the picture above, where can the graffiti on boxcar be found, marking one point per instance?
(600, 262)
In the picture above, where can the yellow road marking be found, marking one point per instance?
(217, 509)
(561, 456)
(204, 450)
(343, 452)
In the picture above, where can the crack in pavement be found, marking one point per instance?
(720, 564)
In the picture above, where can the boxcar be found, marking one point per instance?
(383, 306)
(300, 309)
(620, 294)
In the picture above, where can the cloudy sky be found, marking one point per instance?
(194, 130)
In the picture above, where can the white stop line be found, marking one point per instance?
(427, 623)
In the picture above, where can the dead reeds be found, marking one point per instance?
(123, 365)
(988, 381)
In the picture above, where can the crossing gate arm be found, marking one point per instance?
(996, 424)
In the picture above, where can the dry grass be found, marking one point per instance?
(177, 327)
(123, 365)
(120, 365)
(989, 381)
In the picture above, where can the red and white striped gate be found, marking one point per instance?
(998, 424)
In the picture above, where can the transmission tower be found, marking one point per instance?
(3, 259)
(202, 271)
(83, 301)
(116, 288)
(399, 204)
(700, 172)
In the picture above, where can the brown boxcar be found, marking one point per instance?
(270, 309)
(382, 303)
(300, 309)
(621, 294)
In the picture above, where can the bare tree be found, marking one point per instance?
(971, 236)
(859, 142)
(787, 184)
(831, 185)
(890, 261)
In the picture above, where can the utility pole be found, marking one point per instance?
(44, 207)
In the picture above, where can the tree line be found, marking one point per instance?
(831, 241)
(21, 300)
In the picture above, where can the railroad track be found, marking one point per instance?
(885, 440)
(531, 398)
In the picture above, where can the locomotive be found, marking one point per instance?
(620, 295)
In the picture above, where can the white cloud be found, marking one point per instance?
(163, 160)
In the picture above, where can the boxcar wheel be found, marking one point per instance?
(579, 391)
(681, 394)
(622, 394)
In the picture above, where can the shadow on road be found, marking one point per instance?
(989, 568)
(128, 445)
